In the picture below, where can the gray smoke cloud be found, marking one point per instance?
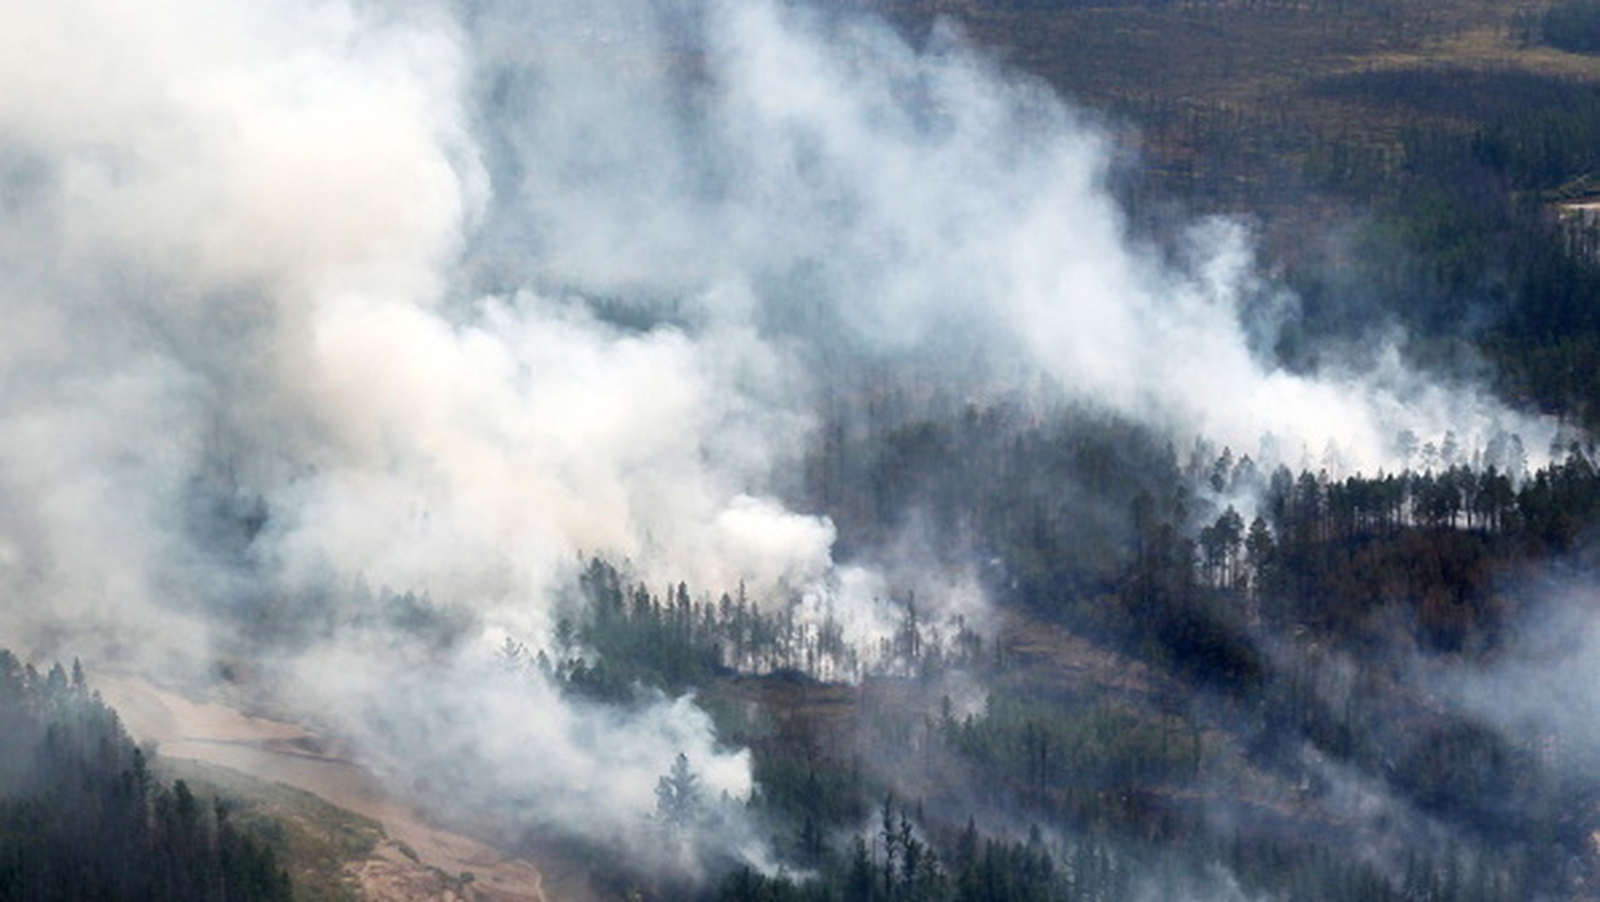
(440, 296)
(1541, 688)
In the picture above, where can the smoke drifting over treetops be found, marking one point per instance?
(438, 296)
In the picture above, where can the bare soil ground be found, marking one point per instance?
(1065, 661)
(412, 860)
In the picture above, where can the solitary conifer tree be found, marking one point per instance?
(678, 794)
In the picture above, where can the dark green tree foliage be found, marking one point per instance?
(1188, 599)
(895, 865)
(81, 817)
(746, 885)
(623, 637)
(1335, 555)
(1059, 755)
(802, 784)
(1574, 26)
(1463, 245)
(632, 637)
(1329, 573)
(678, 794)
(1046, 490)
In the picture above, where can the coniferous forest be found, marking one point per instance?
(619, 296)
(83, 817)
(1256, 673)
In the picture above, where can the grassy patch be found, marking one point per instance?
(313, 839)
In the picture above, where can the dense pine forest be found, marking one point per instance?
(1258, 673)
(82, 816)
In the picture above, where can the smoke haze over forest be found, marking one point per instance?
(338, 335)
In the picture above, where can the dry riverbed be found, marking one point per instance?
(409, 859)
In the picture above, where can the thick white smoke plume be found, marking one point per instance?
(439, 296)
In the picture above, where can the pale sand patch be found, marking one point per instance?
(406, 867)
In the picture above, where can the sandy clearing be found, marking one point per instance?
(409, 866)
